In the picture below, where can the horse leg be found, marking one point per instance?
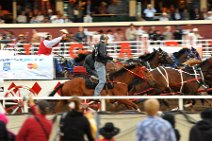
(60, 106)
(129, 104)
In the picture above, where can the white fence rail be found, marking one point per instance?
(104, 98)
(137, 47)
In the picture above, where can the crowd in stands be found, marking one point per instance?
(78, 11)
(132, 33)
(74, 125)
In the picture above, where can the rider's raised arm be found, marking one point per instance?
(52, 43)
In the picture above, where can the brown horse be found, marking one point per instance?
(77, 87)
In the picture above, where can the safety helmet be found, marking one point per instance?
(103, 37)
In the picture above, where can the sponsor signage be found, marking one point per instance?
(27, 67)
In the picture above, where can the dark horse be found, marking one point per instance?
(183, 55)
(156, 58)
(178, 80)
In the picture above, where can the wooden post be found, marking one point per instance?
(14, 11)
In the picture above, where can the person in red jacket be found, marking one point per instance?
(37, 127)
(46, 46)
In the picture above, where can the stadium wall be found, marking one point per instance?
(204, 26)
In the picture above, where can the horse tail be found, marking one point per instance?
(55, 90)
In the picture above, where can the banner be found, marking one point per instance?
(26, 67)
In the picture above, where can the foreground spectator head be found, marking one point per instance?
(151, 106)
(43, 107)
(75, 104)
(207, 114)
(109, 131)
(3, 118)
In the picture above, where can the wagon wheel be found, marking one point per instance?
(90, 105)
(16, 106)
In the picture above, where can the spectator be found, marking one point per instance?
(119, 35)
(110, 36)
(209, 15)
(158, 35)
(34, 20)
(113, 7)
(87, 18)
(141, 31)
(151, 32)
(195, 14)
(5, 134)
(40, 17)
(185, 15)
(204, 14)
(22, 18)
(108, 132)
(154, 127)
(196, 34)
(149, 13)
(80, 36)
(164, 17)
(35, 36)
(131, 33)
(168, 34)
(202, 131)
(178, 33)
(177, 15)
(74, 125)
(171, 119)
(102, 8)
(37, 127)
(90, 116)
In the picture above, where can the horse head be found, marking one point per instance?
(164, 57)
(206, 67)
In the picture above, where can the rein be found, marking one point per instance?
(144, 78)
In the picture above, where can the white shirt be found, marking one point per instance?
(87, 19)
(164, 19)
(21, 19)
(149, 12)
(50, 44)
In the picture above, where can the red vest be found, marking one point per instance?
(44, 50)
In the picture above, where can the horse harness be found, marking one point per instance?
(196, 74)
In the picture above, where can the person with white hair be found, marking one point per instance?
(164, 17)
(209, 17)
(149, 13)
(154, 127)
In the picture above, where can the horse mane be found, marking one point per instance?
(205, 61)
(121, 71)
(148, 56)
(180, 52)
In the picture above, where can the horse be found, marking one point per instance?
(155, 59)
(183, 55)
(177, 80)
(77, 87)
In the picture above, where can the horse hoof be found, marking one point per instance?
(138, 110)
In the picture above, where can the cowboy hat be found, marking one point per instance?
(108, 131)
(64, 31)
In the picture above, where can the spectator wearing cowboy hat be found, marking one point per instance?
(108, 132)
(46, 46)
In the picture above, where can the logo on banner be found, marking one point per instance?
(1, 89)
(6, 66)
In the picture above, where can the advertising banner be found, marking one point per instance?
(26, 67)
